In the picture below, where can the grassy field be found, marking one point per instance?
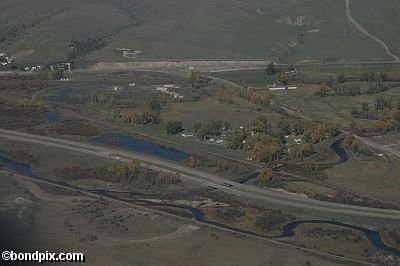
(258, 78)
(330, 238)
(350, 71)
(368, 12)
(56, 220)
(206, 110)
(181, 29)
(373, 177)
(337, 108)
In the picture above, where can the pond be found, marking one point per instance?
(139, 145)
(51, 118)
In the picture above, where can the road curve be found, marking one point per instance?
(204, 179)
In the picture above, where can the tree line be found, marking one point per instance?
(123, 173)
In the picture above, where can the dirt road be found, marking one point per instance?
(365, 32)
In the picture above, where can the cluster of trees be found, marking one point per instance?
(322, 90)
(150, 115)
(260, 140)
(387, 124)
(266, 175)
(256, 97)
(283, 75)
(394, 235)
(377, 82)
(135, 173)
(154, 105)
(292, 124)
(268, 144)
(355, 146)
(238, 139)
(194, 77)
(378, 88)
(83, 47)
(261, 125)
(316, 131)
(139, 118)
(259, 98)
(225, 96)
(313, 131)
(347, 90)
(25, 102)
(385, 118)
(265, 148)
(174, 127)
(300, 151)
(251, 95)
(214, 128)
(365, 111)
(260, 132)
(273, 219)
(271, 70)
(351, 89)
(374, 76)
(383, 103)
(55, 75)
(230, 213)
(311, 167)
(198, 81)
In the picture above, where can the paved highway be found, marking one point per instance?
(123, 81)
(203, 179)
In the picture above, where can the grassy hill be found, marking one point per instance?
(42, 30)
(381, 19)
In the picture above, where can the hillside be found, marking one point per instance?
(381, 19)
(47, 30)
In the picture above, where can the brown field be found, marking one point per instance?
(108, 233)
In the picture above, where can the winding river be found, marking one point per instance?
(337, 147)
(288, 229)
